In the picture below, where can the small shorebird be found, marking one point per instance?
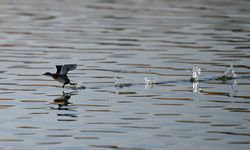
(61, 73)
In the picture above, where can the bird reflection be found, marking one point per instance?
(63, 101)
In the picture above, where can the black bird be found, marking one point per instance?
(61, 73)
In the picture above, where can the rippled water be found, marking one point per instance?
(130, 40)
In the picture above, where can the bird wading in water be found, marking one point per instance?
(61, 73)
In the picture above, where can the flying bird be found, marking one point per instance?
(61, 73)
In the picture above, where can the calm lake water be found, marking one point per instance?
(158, 39)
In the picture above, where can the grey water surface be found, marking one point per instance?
(129, 39)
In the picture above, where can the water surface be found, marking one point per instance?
(160, 40)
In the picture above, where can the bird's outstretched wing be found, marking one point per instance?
(58, 68)
(66, 68)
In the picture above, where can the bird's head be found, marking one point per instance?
(47, 74)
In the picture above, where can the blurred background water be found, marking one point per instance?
(160, 40)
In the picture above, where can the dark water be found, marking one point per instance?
(130, 40)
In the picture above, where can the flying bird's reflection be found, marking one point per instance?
(63, 101)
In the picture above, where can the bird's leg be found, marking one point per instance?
(63, 85)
